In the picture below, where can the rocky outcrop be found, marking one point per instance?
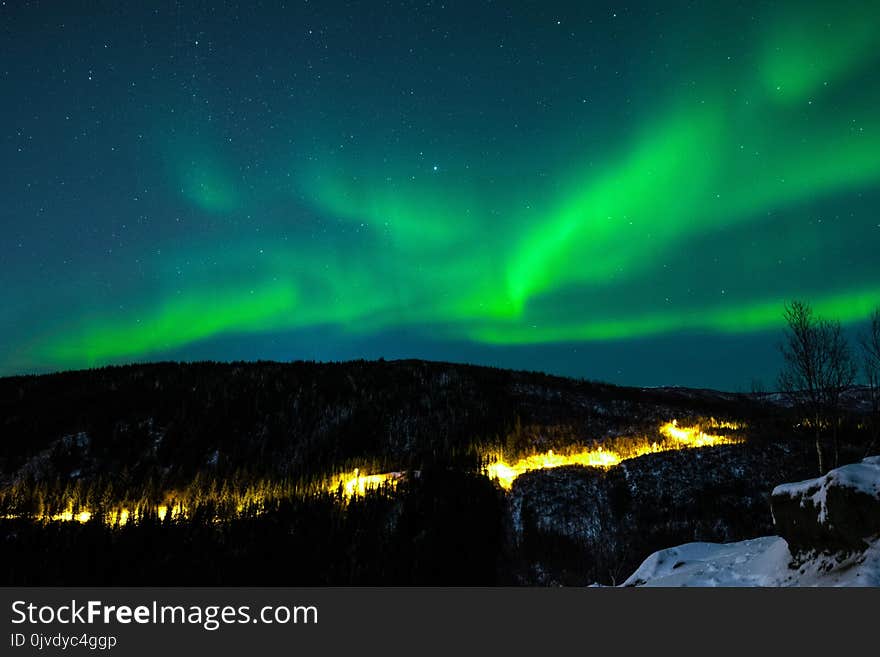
(575, 525)
(839, 511)
(830, 536)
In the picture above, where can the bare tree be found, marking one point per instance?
(838, 377)
(870, 342)
(799, 378)
(817, 369)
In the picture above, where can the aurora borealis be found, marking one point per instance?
(624, 193)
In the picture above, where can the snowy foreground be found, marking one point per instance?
(758, 562)
(768, 561)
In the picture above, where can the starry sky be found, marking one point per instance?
(617, 192)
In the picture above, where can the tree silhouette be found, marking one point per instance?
(870, 342)
(818, 368)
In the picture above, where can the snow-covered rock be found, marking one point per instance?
(838, 511)
(830, 530)
(762, 561)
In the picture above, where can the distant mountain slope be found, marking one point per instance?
(290, 419)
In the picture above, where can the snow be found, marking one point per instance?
(767, 561)
(762, 561)
(863, 477)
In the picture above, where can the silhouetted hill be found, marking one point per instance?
(292, 419)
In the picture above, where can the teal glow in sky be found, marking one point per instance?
(626, 194)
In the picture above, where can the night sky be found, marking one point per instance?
(626, 193)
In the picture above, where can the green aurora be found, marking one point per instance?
(688, 182)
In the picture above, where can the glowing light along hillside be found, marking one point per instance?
(357, 484)
(69, 515)
(348, 484)
(116, 517)
(678, 438)
(505, 473)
